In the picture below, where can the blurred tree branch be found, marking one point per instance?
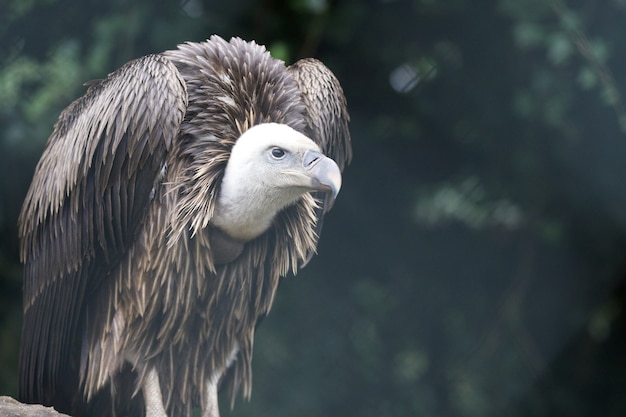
(588, 52)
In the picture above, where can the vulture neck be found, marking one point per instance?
(244, 213)
(225, 248)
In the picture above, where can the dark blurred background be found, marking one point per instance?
(473, 264)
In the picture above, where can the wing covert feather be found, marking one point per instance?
(85, 205)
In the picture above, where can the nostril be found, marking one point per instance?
(310, 158)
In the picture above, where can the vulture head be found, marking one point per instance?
(270, 167)
(170, 201)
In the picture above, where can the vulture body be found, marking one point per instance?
(168, 203)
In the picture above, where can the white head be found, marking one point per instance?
(270, 167)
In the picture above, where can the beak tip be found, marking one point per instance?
(325, 171)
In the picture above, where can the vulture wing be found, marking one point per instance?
(85, 205)
(327, 118)
(326, 106)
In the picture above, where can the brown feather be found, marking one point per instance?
(70, 235)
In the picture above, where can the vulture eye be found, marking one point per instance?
(278, 153)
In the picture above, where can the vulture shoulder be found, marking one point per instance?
(326, 108)
(80, 217)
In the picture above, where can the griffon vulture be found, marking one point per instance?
(170, 200)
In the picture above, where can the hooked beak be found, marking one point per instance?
(324, 172)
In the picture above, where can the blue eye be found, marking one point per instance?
(278, 153)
